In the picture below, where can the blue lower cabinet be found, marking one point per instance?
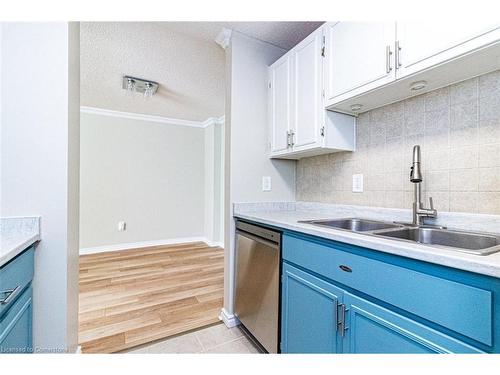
(16, 304)
(370, 328)
(319, 317)
(15, 325)
(340, 298)
(309, 313)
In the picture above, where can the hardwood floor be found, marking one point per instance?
(131, 297)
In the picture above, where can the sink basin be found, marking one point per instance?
(354, 225)
(470, 242)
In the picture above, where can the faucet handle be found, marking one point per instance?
(431, 202)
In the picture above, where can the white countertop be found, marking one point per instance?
(286, 216)
(17, 234)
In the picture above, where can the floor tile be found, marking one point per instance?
(187, 343)
(238, 346)
(216, 335)
(212, 339)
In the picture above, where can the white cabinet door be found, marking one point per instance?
(279, 103)
(359, 58)
(426, 44)
(307, 103)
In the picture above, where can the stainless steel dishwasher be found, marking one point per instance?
(257, 282)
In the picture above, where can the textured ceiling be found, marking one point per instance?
(190, 71)
(181, 56)
(281, 34)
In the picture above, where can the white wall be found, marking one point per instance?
(214, 167)
(150, 175)
(247, 139)
(39, 159)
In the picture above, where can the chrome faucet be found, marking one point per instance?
(419, 211)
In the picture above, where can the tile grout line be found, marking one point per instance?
(224, 343)
(199, 341)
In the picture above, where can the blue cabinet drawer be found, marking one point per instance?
(15, 325)
(459, 307)
(15, 276)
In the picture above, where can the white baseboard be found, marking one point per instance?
(214, 243)
(230, 320)
(138, 245)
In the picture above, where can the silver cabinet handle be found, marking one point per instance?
(292, 134)
(11, 293)
(288, 145)
(398, 55)
(388, 54)
(341, 322)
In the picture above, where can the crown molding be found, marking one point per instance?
(151, 118)
(223, 38)
(214, 121)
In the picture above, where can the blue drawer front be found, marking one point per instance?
(461, 308)
(16, 326)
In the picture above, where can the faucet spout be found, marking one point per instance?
(419, 211)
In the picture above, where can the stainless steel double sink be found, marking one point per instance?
(463, 241)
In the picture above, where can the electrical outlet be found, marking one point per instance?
(266, 183)
(357, 183)
(122, 226)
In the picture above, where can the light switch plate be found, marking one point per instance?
(266, 183)
(357, 183)
(122, 226)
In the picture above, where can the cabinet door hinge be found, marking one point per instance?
(322, 131)
(269, 85)
(323, 47)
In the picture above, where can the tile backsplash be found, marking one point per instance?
(458, 128)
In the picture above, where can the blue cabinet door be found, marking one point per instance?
(309, 313)
(16, 326)
(371, 328)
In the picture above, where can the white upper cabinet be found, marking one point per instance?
(307, 100)
(368, 65)
(425, 44)
(299, 124)
(359, 57)
(279, 104)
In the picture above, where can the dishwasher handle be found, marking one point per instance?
(261, 240)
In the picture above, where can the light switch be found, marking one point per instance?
(266, 183)
(122, 226)
(357, 183)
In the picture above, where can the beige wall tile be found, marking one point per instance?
(394, 199)
(489, 155)
(464, 201)
(489, 203)
(489, 84)
(437, 99)
(464, 157)
(437, 180)
(464, 91)
(458, 129)
(464, 180)
(489, 179)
